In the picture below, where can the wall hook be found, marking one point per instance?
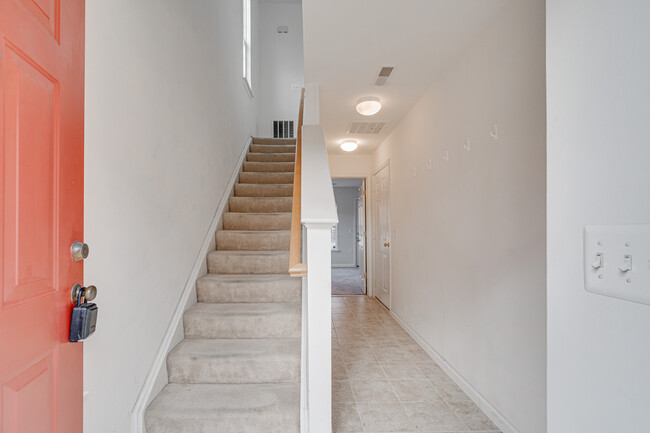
(468, 144)
(494, 133)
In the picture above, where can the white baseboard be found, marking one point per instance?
(156, 379)
(472, 393)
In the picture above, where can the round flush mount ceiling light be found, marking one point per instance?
(369, 105)
(349, 145)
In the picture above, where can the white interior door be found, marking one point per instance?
(361, 235)
(381, 236)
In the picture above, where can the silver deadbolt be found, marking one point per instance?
(89, 293)
(79, 251)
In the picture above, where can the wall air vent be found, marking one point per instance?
(366, 127)
(382, 78)
(283, 129)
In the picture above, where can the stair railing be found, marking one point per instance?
(296, 267)
(314, 214)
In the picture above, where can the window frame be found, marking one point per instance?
(247, 36)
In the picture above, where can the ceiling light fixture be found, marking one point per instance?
(368, 106)
(349, 145)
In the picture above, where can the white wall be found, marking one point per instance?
(468, 241)
(167, 115)
(350, 165)
(346, 207)
(598, 173)
(281, 64)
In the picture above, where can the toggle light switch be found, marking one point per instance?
(599, 262)
(622, 277)
(627, 264)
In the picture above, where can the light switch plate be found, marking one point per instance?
(609, 250)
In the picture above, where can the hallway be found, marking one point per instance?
(346, 281)
(384, 382)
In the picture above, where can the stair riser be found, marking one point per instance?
(271, 157)
(267, 148)
(250, 241)
(256, 205)
(268, 167)
(235, 368)
(275, 141)
(249, 291)
(265, 178)
(250, 264)
(278, 325)
(255, 190)
(243, 221)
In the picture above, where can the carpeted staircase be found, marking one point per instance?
(238, 368)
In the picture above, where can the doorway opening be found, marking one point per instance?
(349, 237)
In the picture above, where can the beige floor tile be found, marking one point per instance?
(345, 418)
(449, 391)
(433, 416)
(415, 390)
(431, 370)
(369, 391)
(364, 371)
(358, 354)
(341, 391)
(472, 416)
(339, 372)
(403, 370)
(400, 354)
(384, 417)
(368, 349)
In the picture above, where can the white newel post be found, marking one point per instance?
(319, 327)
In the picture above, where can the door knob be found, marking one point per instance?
(387, 244)
(79, 251)
(89, 293)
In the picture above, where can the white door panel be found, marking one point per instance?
(381, 236)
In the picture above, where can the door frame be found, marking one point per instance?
(368, 181)
(371, 259)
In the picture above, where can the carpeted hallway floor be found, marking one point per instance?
(347, 281)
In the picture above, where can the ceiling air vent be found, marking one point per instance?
(382, 78)
(283, 129)
(366, 127)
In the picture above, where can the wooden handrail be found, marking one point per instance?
(296, 268)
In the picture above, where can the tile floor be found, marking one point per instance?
(384, 382)
(346, 281)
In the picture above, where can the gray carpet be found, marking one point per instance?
(346, 281)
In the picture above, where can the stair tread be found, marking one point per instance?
(254, 360)
(228, 408)
(249, 288)
(248, 253)
(255, 232)
(259, 213)
(237, 309)
(227, 348)
(245, 320)
(246, 277)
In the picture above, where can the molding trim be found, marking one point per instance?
(344, 265)
(472, 393)
(137, 415)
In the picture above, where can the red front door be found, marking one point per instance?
(41, 195)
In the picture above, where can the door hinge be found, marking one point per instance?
(365, 275)
(363, 191)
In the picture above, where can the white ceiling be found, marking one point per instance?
(346, 42)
